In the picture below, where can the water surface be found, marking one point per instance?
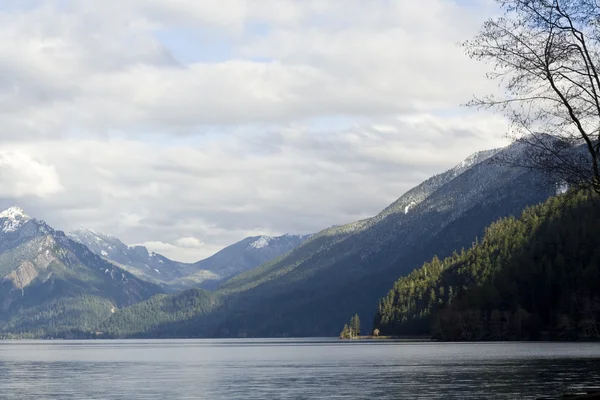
(292, 369)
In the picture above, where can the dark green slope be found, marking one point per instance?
(529, 278)
(163, 315)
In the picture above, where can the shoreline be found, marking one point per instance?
(396, 338)
(413, 339)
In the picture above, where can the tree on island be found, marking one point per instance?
(345, 334)
(352, 330)
(546, 55)
(355, 325)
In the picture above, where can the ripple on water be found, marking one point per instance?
(292, 369)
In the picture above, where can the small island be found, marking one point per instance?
(352, 331)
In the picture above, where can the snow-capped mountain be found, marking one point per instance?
(249, 253)
(419, 193)
(173, 275)
(13, 218)
(18, 227)
(47, 279)
(135, 259)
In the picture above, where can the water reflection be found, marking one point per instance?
(288, 369)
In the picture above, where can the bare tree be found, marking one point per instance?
(546, 56)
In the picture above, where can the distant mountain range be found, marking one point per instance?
(314, 289)
(57, 284)
(262, 286)
(244, 256)
(138, 260)
(172, 275)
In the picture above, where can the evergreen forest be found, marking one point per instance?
(529, 278)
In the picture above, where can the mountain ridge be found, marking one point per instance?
(310, 288)
(316, 287)
(362, 259)
(173, 275)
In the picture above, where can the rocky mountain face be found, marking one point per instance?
(52, 283)
(172, 275)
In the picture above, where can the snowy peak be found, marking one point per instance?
(82, 232)
(475, 158)
(418, 194)
(248, 253)
(135, 259)
(13, 218)
(14, 212)
(261, 242)
(294, 236)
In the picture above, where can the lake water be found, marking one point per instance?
(292, 369)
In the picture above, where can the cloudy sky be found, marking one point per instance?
(187, 125)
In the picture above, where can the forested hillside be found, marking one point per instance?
(536, 277)
(162, 316)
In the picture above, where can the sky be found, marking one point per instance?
(187, 125)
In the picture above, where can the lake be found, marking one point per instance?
(292, 369)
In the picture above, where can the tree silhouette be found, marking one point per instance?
(546, 54)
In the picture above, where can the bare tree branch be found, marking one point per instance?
(545, 54)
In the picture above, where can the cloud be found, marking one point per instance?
(189, 125)
(189, 242)
(106, 71)
(21, 176)
(219, 191)
(184, 252)
(159, 247)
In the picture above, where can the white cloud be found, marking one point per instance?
(99, 70)
(159, 247)
(191, 124)
(189, 242)
(219, 191)
(21, 175)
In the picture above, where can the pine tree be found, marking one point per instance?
(536, 274)
(345, 334)
(355, 325)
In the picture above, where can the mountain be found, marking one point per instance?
(245, 255)
(536, 277)
(137, 260)
(51, 284)
(172, 275)
(317, 287)
(314, 289)
(162, 315)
